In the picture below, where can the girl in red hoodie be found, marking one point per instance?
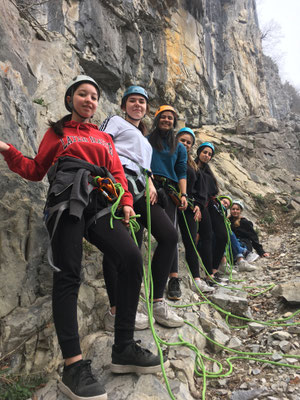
(73, 151)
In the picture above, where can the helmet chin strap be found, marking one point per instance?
(133, 119)
(76, 112)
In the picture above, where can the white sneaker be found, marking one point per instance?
(243, 265)
(251, 257)
(202, 286)
(141, 322)
(165, 316)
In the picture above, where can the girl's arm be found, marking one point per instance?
(3, 146)
(182, 188)
(28, 168)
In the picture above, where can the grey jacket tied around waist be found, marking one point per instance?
(68, 171)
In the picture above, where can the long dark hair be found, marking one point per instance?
(142, 127)
(58, 126)
(206, 168)
(157, 138)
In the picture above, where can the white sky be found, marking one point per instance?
(287, 50)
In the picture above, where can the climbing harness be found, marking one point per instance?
(79, 175)
(169, 187)
(106, 186)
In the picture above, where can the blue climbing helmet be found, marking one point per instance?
(186, 130)
(75, 82)
(239, 203)
(134, 90)
(206, 144)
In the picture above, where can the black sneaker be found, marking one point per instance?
(78, 383)
(133, 358)
(220, 281)
(174, 292)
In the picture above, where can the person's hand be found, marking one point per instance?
(3, 146)
(266, 255)
(152, 192)
(197, 212)
(128, 212)
(184, 203)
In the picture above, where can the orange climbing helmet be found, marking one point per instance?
(165, 108)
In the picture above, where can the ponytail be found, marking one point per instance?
(58, 126)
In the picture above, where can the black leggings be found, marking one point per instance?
(191, 254)
(166, 237)
(171, 211)
(219, 235)
(204, 245)
(67, 255)
(213, 237)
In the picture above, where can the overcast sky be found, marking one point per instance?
(287, 49)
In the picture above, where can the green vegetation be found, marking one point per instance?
(285, 208)
(40, 101)
(235, 152)
(88, 248)
(259, 200)
(18, 387)
(272, 215)
(268, 219)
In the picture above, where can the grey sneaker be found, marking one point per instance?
(224, 269)
(133, 358)
(165, 316)
(141, 322)
(243, 265)
(202, 286)
(78, 382)
(251, 257)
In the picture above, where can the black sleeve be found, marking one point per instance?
(252, 235)
(199, 190)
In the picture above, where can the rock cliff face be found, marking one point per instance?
(202, 56)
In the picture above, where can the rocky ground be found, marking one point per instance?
(268, 333)
(252, 379)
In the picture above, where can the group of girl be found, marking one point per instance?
(77, 155)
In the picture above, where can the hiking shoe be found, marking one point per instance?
(243, 265)
(133, 358)
(78, 382)
(141, 322)
(174, 292)
(202, 286)
(225, 269)
(218, 280)
(251, 257)
(165, 316)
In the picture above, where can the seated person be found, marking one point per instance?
(238, 250)
(244, 231)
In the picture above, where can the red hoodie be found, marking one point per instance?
(83, 141)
